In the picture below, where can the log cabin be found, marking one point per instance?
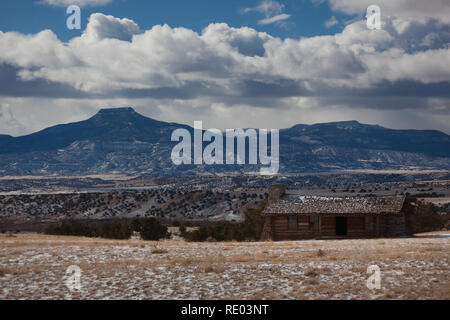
(291, 216)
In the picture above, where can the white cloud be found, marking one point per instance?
(80, 3)
(272, 11)
(267, 7)
(277, 18)
(102, 26)
(331, 22)
(114, 54)
(177, 74)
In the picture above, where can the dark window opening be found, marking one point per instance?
(369, 223)
(293, 223)
(314, 222)
(341, 226)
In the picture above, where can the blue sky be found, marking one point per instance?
(229, 63)
(307, 18)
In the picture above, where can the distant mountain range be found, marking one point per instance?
(122, 141)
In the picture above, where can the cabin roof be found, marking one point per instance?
(291, 204)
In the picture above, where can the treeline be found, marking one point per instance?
(424, 217)
(149, 229)
(249, 230)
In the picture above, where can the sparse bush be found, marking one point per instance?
(311, 272)
(176, 223)
(249, 230)
(115, 230)
(3, 271)
(72, 228)
(210, 267)
(423, 217)
(150, 229)
(159, 251)
(320, 253)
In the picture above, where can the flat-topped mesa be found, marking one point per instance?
(116, 110)
(116, 113)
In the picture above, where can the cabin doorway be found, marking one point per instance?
(341, 226)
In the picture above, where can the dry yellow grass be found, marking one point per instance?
(159, 251)
(209, 266)
(3, 271)
(415, 268)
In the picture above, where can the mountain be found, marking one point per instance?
(352, 134)
(124, 141)
(108, 125)
(352, 145)
(5, 138)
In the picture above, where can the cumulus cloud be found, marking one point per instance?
(178, 73)
(102, 26)
(246, 41)
(80, 3)
(114, 54)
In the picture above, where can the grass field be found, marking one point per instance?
(34, 266)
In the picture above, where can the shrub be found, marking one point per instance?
(72, 228)
(423, 217)
(320, 253)
(311, 272)
(3, 271)
(249, 230)
(176, 223)
(150, 229)
(115, 230)
(159, 251)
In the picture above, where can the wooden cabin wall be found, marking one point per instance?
(281, 229)
(396, 225)
(328, 226)
(355, 227)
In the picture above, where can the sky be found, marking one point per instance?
(230, 64)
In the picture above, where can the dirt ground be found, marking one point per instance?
(36, 266)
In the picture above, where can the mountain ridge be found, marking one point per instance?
(121, 140)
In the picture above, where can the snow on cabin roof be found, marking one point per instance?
(297, 204)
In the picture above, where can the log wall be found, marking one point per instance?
(383, 226)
